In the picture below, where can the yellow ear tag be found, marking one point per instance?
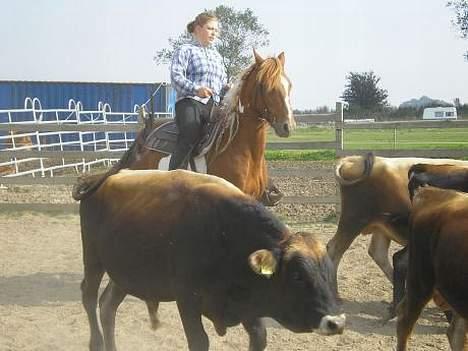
(266, 271)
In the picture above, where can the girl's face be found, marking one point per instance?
(207, 33)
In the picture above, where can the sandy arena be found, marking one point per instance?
(41, 270)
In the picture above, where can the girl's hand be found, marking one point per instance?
(204, 92)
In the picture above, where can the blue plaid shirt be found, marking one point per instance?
(194, 66)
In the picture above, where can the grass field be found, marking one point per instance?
(370, 139)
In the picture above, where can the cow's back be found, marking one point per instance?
(374, 189)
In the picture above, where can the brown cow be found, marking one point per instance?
(443, 176)
(374, 191)
(198, 240)
(438, 259)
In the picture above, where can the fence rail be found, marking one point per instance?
(97, 144)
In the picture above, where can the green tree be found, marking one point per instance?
(240, 32)
(461, 18)
(363, 94)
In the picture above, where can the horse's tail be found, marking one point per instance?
(88, 184)
(352, 170)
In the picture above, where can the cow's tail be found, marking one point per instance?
(416, 179)
(353, 169)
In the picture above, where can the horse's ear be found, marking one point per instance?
(281, 58)
(258, 58)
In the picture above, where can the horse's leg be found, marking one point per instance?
(108, 304)
(153, 313)
(257, 334)
(93, 273)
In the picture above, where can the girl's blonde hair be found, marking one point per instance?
(201, 20)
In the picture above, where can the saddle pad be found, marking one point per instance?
(163, 139)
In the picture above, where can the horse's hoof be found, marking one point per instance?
(271, 197)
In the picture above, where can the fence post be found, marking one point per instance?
(339, 128)
(339, 135)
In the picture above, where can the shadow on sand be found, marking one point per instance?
(40, 289)
(363, 317)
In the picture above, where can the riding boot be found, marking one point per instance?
(181, 156)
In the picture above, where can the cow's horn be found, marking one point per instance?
(263, 262)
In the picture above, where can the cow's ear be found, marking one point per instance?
(263, 262)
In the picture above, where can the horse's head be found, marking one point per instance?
(266, 91)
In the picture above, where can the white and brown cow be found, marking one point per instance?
(374, 195)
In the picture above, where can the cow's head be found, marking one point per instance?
(303, 278)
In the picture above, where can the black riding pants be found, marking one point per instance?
(190, 117)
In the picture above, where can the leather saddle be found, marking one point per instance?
(164, 137)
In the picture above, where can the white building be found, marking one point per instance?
(440, 113)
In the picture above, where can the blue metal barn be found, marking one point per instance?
(122, 97)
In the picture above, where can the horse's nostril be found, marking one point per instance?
(286, 128)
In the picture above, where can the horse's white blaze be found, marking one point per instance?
(287, 102)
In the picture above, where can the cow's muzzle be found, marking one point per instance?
(330, 325)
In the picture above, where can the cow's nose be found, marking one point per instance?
(330, 325)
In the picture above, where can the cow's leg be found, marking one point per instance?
(257, 334)
(378, 250)
(456, 333)
(341, 241)
(400, 268)
(408, 313)
(153, 313)
(93, 273)
(419, 290)
(190, 314)
(108, 304)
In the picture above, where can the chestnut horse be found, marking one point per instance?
(259, 98)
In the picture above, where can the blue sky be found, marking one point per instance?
(411, 45)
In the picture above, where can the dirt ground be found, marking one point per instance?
(41, 269)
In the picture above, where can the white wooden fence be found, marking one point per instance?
(40, 142)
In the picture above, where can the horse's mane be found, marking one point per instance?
(269, 75)
(270, 72)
